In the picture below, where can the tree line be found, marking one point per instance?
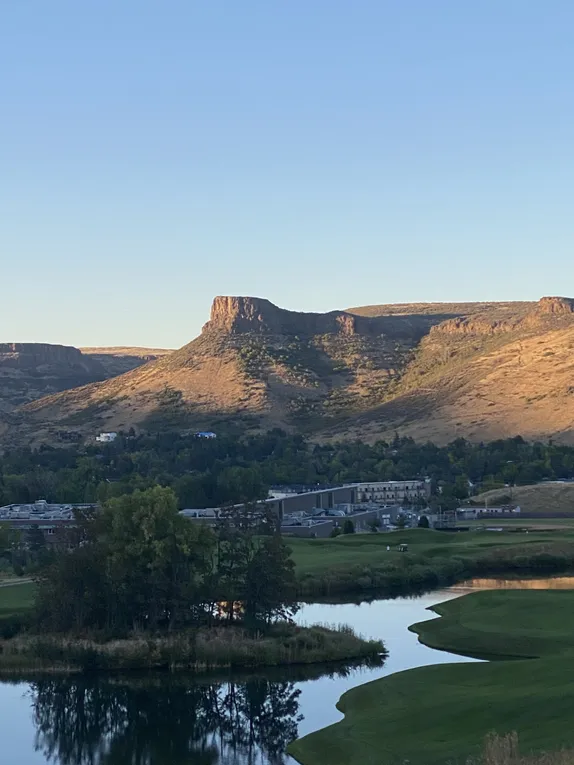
(136, 564)
(228, 469)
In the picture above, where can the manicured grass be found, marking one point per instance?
(313, 556)
(16, 599)
(503, 623)
(440, 714)
(361, 562)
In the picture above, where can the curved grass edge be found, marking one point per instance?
(431, 637)
(456, 704)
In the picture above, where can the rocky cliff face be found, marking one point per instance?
(31, 370)
(557, 306)
(546, 311)
(31, 356)
(249, 314)
(244, 315)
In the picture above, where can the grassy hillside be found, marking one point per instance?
(121, 359)
(29, 371)
(432, 371)
(539, 498)
(451, 310)
(455, 706)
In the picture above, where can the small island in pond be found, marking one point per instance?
(134, 585)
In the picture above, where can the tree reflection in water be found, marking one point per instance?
(165, 720)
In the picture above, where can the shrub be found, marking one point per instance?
(348, 527)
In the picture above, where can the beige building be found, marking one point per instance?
(392, 492)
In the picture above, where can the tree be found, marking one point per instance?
(348, 527)
(139, 564)
(155, 558)
(135, 564)
(423, 522)
(36, 544)
(270, 585)
(460, 489)
(401, 522)
(255, 572)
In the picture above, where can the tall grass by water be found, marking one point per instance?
(201, 649)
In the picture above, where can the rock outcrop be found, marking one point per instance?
(557, 306)
(244, 315)
(33, 356)
(250, 314)
(31, 370)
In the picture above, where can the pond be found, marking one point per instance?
(227, 719)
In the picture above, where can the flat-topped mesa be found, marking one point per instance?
(558, 306)
(238, 315)
(33, 355)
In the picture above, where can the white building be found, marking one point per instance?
(106, 438)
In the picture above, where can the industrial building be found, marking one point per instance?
(48, 517)
(317, 512)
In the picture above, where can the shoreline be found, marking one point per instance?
(523, 640)
(196, 651)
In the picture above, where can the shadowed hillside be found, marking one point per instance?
(434, 371)
(118, 360)
(31, 370)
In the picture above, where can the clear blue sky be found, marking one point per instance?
(320, 153)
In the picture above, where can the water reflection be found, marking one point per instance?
(238, 720)
(548, 583)
(229, 719)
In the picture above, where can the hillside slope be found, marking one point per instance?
(481, 371)
(31, 370)
(553, 498)
(117, 360)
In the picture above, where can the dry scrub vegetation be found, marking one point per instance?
(505, 750)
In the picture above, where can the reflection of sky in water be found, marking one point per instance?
(17, 730)
(385, 619)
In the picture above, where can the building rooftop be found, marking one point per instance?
(41, 510)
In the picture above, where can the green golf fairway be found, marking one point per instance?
(440, 714)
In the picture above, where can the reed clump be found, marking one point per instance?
(199, 649)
